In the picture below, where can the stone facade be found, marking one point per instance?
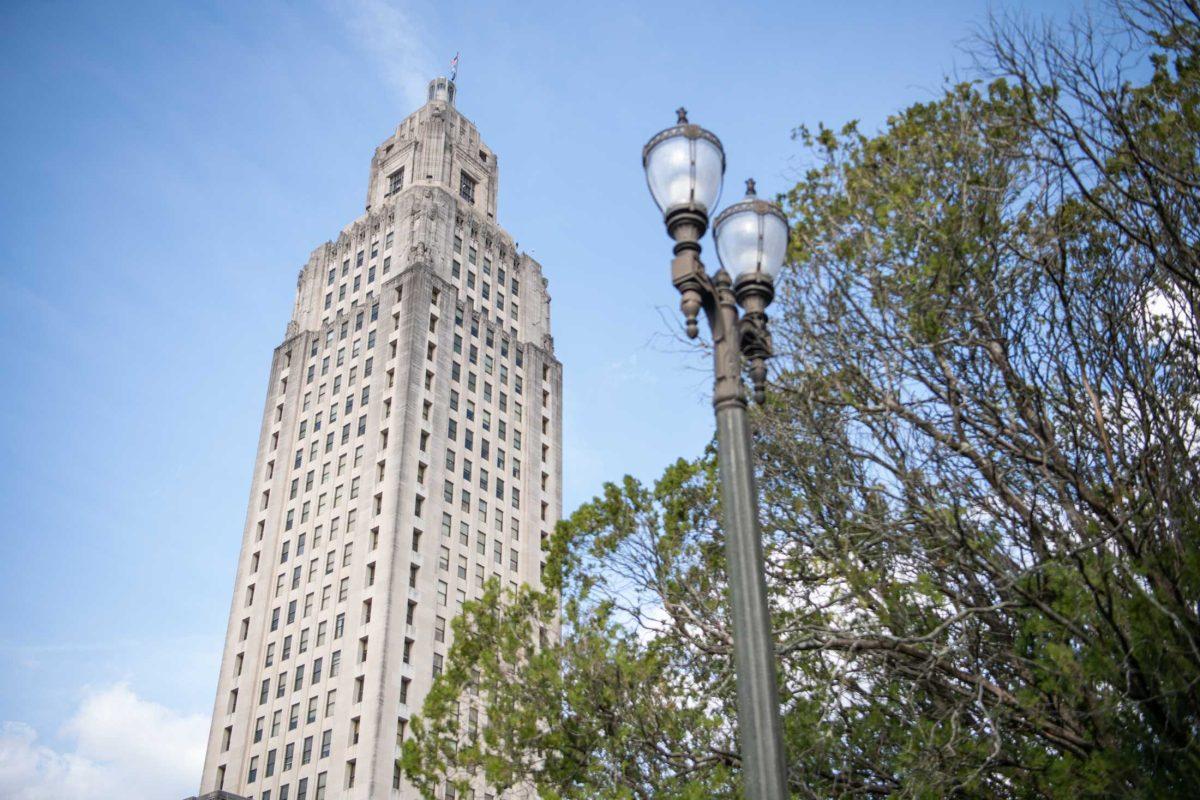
(410, 450)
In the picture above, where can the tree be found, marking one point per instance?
(979, 472)
(619, 705)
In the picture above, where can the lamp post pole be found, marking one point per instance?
(749, 241)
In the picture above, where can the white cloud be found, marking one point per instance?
(387, 31)
(124, 746)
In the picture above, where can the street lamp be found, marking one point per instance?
(685, 165)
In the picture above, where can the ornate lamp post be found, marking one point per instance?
(685, 165)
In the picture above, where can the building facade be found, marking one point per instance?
(410, 450)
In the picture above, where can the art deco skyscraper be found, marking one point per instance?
(410, 451)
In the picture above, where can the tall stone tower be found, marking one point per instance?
(410, 450)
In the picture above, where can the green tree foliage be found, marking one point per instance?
(978, 465)
(620, 705)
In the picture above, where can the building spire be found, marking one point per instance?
(441, 89)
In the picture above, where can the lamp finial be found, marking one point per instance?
(750, 188)
(681, 115)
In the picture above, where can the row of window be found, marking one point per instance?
(473, 260)
(480, 292)
(353, 284)
(301, 784)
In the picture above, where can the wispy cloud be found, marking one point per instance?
(389, 33)
(630, 369)
(123, 746)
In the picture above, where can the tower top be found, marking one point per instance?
(442, 90)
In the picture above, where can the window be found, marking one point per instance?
(326, 741)
(395, 184)
(466, 187)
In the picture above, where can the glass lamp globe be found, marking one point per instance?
(752, 237)
(684, 165)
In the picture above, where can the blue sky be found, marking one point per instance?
(167, 168)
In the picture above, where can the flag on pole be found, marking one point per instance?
(454, 67)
